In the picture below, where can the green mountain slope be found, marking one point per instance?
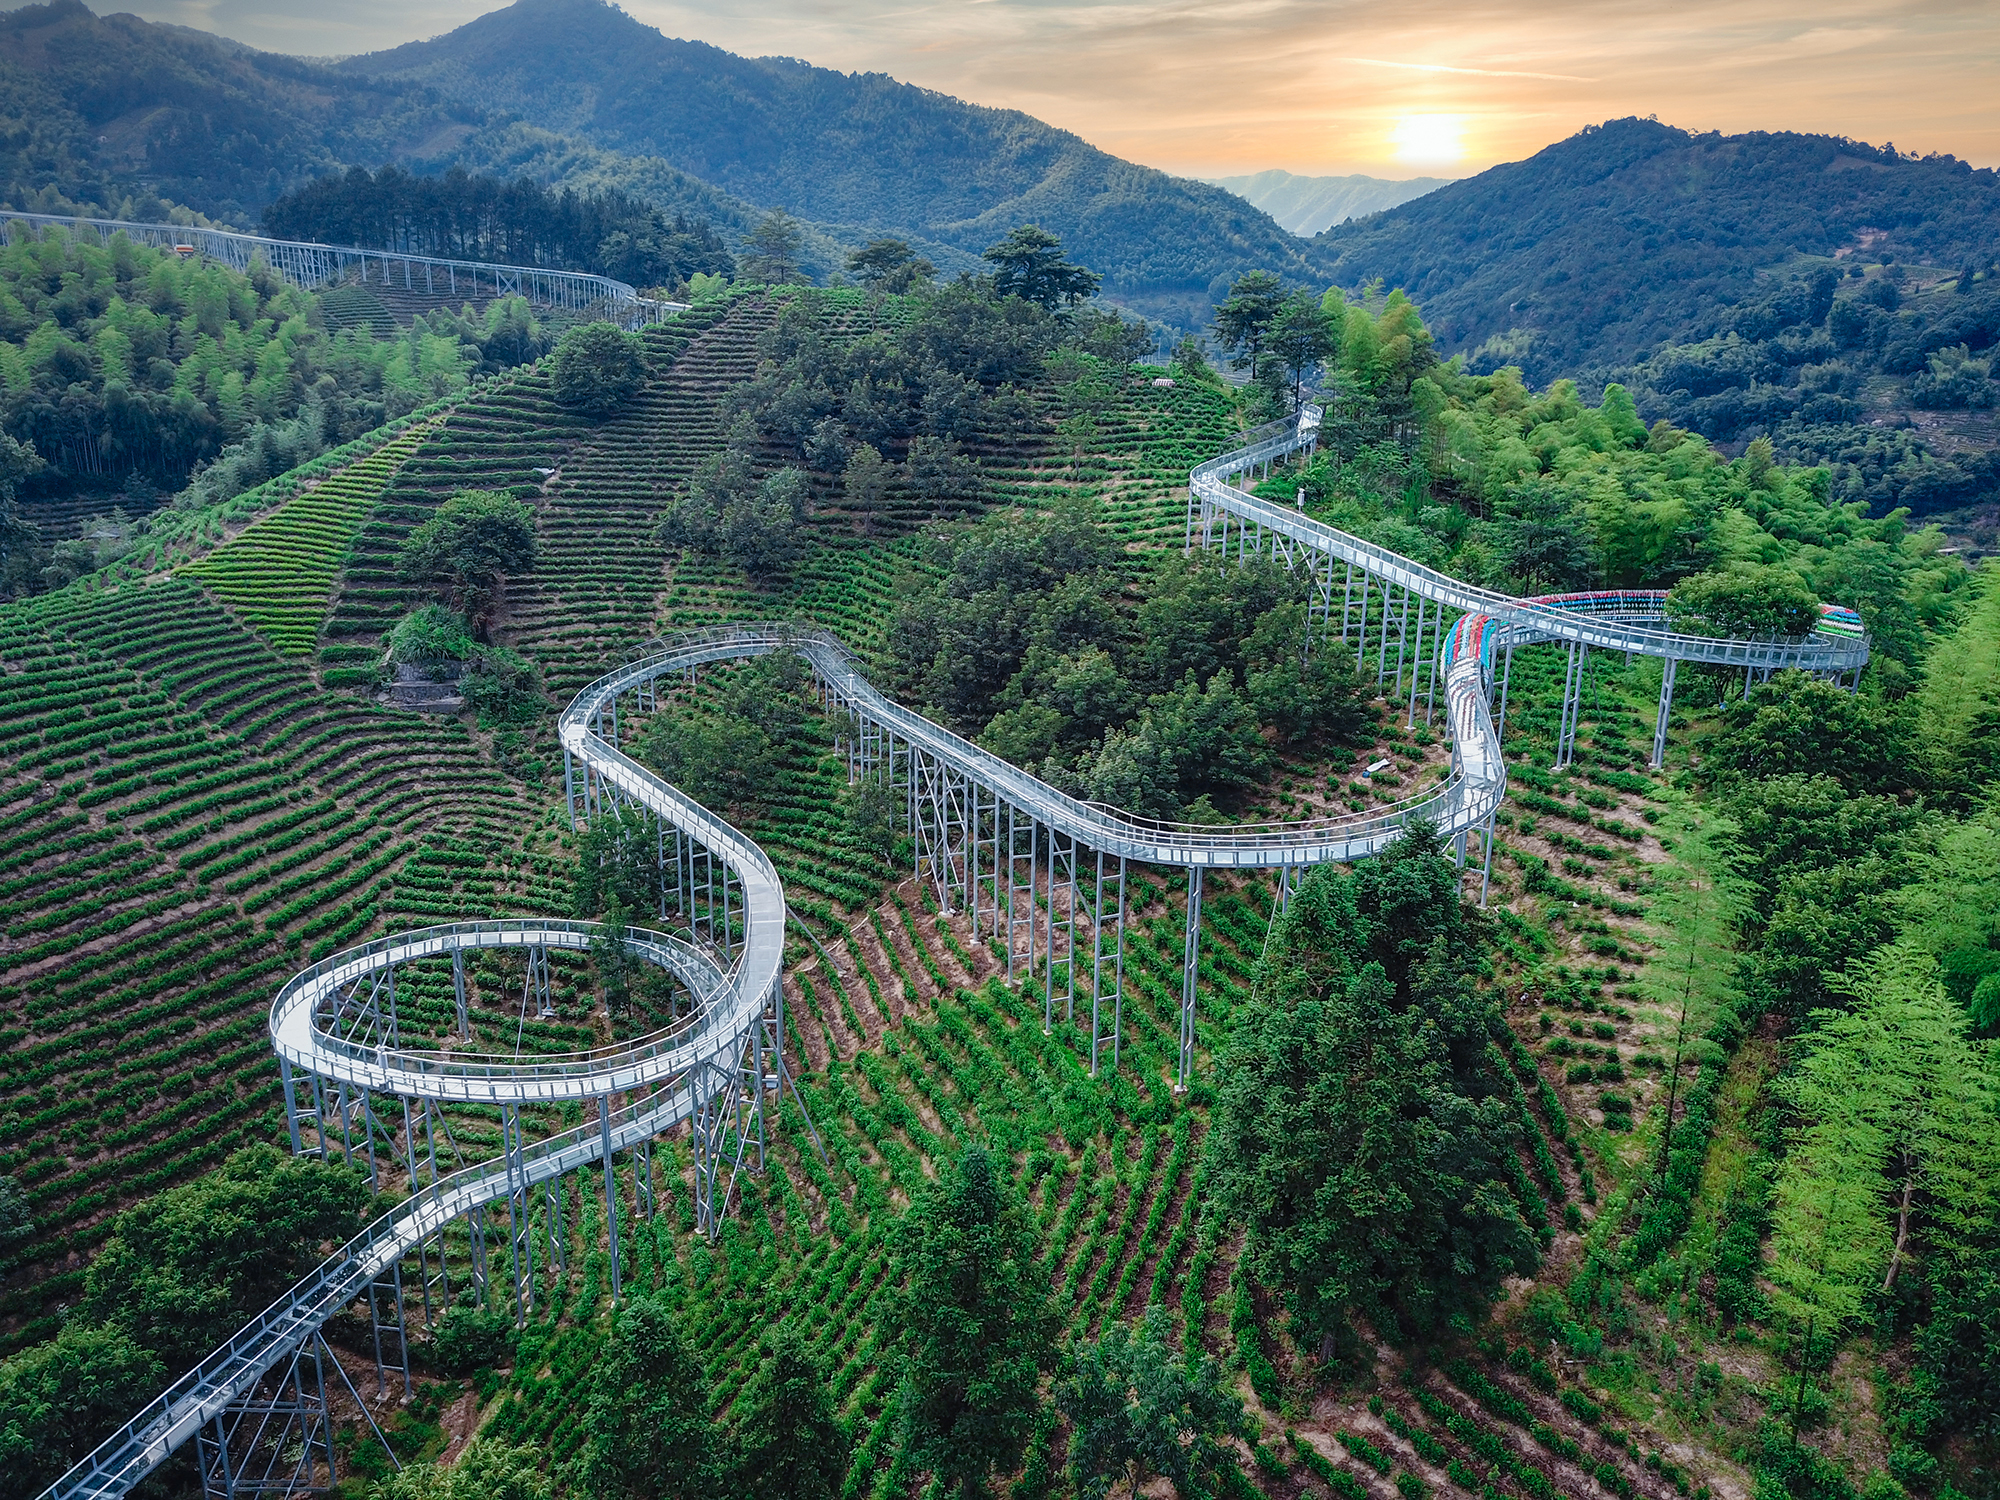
(100, 109)
(1627, 236)
(846, 148)
(1881, 372)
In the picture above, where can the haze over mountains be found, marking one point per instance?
(1306, 205)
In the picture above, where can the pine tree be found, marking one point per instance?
(648, 1432)
(977, 1328)
(789, 1445)
(1243, 321)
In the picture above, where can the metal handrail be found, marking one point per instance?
(436, 1073)
(231, 1372)
(1812, 653)
(736, 995)
(232, 246)
(1090, 823)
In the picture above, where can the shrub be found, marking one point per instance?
(598, 368)
(430, 635)
(1581, 1407)
(504, 686)
(470, 1338)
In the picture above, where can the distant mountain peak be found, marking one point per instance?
(849, 149)
(1307, 205)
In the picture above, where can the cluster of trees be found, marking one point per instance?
(1027, 642)
(1364, 1132)
(133, 375)
(941, 373)
(975, 1335)
(727, 509)
(445, 348)
(650, 1435)
(462, 216)
(1797, 364)
(1372, 351)
(461, 555)
(598, 368)
(179, 1274)
(730, 757)
(1542, 492)
(899, 405)
(121, 359)
(1867, 829)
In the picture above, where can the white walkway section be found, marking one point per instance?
(735, 980)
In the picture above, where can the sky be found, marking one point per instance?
(1216, 87)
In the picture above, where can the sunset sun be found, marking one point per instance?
(1429, 140)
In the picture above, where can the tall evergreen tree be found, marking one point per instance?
(1030, 264)
(1360, 1136)
(977, 1328)
(1243, 321)
(789, 1447)
(648, 1435)
(1301, 336)
(890, 266)
(771, 254)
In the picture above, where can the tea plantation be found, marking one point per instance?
(200, 792)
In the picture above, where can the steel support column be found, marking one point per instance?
(1190, 964)
(1666, 709)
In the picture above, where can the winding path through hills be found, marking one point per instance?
(335, 1029)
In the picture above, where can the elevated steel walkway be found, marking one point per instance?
(315, 267)
(1041, 875)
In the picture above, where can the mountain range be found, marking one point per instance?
(1594, 253)
(1633, 235)
(1306, 205)
(854, 149)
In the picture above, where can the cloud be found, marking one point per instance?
(1205, 87)
(1415, 67)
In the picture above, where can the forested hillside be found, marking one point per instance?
(1875, 369)
(1668, 1171)
(1544, 257)
(846, 149)
(103, 110)
(461, 216)
(130, 378)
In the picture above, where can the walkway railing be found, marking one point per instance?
(995, 841)
(313, 267)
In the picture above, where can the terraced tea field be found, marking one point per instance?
(188, 817)
(277, 575)
(198, 795)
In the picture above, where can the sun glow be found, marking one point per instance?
(1429, 140)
